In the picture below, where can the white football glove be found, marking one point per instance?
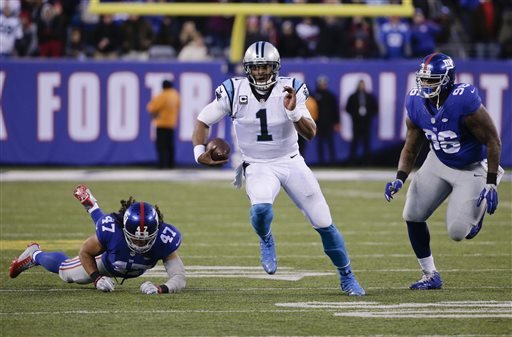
(105, 284)
(149, 288)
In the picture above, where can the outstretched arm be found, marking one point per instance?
(176, 282)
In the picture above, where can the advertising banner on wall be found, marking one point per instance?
(94, 113)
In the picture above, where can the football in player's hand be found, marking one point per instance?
(222, 148)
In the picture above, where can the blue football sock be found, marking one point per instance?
(51, 261)
(261, 218)
(334, 247)
(420, 238)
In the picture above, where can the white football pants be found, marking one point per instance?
(72, 271)
(263, 182)
(434, 182)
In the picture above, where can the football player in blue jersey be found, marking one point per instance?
(268, 112)
(126, 244)
(462, 165)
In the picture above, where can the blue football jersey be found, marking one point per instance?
(445, 129)
(120, 260)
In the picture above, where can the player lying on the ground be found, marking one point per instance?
(126, 244)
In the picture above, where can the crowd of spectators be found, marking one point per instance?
(479, 29)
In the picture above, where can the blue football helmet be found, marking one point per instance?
(259, 54)
(436, 75)
(140, 226)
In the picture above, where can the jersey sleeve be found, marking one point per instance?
(169, 240)
(224, 95)
(469, 98)
(411, 101)
(221, 106)
(105, 228)
(302, 93)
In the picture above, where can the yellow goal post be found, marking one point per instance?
(240, 11)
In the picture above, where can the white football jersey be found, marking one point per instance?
(10, 31)
(262, 127)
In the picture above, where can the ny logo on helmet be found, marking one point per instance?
(449, 63)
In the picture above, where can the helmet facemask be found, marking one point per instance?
(430, 85)
(262, 75)
(261, 65)
(140, 227)
(140, 242)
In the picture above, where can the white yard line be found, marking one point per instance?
(171, 175)
(128, 174)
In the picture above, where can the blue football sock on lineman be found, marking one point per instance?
(419, 236)
(334, 247)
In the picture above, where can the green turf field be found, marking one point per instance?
(228, 294)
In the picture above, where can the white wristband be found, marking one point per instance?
(293, 115)
(199, 150)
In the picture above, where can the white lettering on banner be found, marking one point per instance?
(348, 85)
(3, 130)
(154, 81)
(84, 107)
(123, 106)
(494, 85)
(47, 104)
(387, 103)
(196, 90)
(464, 78)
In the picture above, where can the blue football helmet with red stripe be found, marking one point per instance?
(436, 75)
(262, 55)
(140, 226)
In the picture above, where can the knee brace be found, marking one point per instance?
(261, 218)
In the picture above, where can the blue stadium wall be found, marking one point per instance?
(93, 113)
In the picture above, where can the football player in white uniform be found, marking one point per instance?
(268, 112)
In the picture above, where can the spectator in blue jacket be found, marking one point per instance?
(423, 35)
(394, 38)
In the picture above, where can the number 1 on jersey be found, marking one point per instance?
(265, 136)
